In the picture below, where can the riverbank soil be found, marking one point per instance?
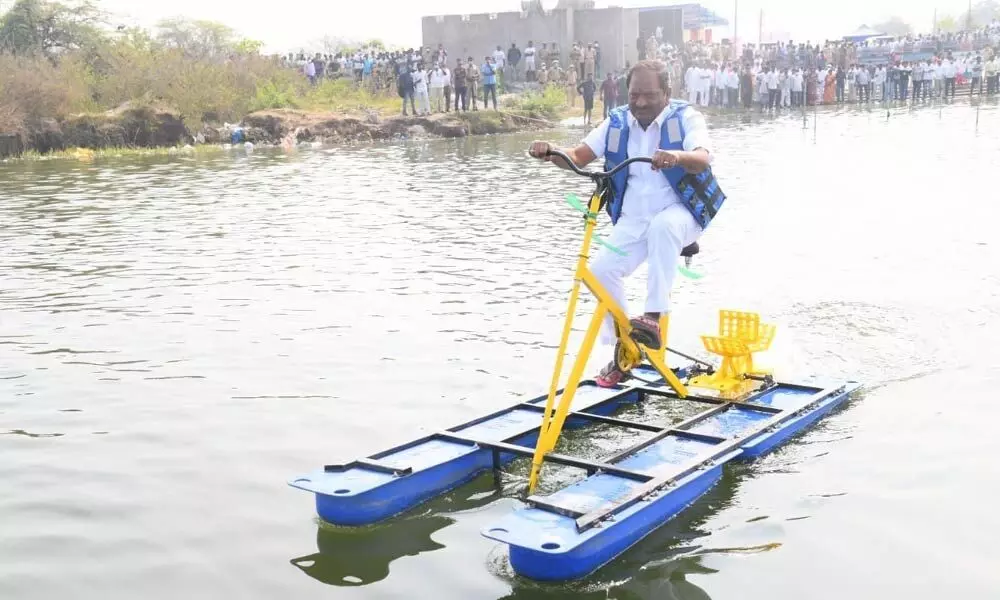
(160, 126)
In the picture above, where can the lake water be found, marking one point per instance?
(179, 336)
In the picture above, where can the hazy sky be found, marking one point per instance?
(285, 27)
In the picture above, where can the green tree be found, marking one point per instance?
(197, 39)
(44, 27)
(946, 24)
(982, 14)
(894, 26)
(248, 46)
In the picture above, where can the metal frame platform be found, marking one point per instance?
(623, 498)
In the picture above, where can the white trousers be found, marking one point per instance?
(659, 239)
(437, 99)
(422, 101)
(786, 97)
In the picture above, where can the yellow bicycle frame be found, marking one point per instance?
(555, 416)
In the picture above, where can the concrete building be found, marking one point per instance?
(617, 30)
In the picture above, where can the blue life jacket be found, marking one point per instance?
(699, 192)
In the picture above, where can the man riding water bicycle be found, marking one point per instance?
(657, 211)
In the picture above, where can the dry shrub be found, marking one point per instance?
(11, 119)
(35, 89)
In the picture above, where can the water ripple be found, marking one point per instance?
(236, 319)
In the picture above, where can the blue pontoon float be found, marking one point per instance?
(623, 497)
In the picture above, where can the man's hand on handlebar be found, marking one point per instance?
(694, 161)
(581, 156)
(540, 150)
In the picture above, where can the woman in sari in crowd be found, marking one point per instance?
(829, 87)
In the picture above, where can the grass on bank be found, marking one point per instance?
(60, 58)
(86, 154)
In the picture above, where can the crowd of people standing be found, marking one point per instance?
(780, 75)
(770, 77)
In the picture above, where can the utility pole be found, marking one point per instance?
(968, 18)
(934, 24)
(736, 15)
(760, 28)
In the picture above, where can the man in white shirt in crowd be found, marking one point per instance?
(420, 90)
(918, 79)
(878, 83)
(691, 83)
(772, 88)
(500, 63)
(990, 71)
(785, 86)
(719, 82)
(654, 223)
(529, 61)
(732, 86)
(439, 78)
(863, 81)
(705, 75)
(948, 73)
(797, 81)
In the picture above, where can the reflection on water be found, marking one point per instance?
(353, 556)
(656, 567)
(179, 335)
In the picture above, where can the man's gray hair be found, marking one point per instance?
(654, 66)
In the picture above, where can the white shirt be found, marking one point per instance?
(500, 59)
(648, 192)
(796, 82)
(439, 78)
(705, 76)
(772, 80)
(419, 81)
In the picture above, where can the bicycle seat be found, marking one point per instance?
(691, 250)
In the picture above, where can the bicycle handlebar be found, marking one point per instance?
(597, 175)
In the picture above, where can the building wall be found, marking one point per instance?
(615, 29)
(630, 32)
(608, 27)
(478, 35)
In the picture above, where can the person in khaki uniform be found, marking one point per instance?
(556, 73)
(474, 77)
(589, 61)
(576, 59)
(543, 75)
(571, 82)
(652, 48)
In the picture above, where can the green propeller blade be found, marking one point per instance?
(574, 201)
(689, 273)
(614, 249)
